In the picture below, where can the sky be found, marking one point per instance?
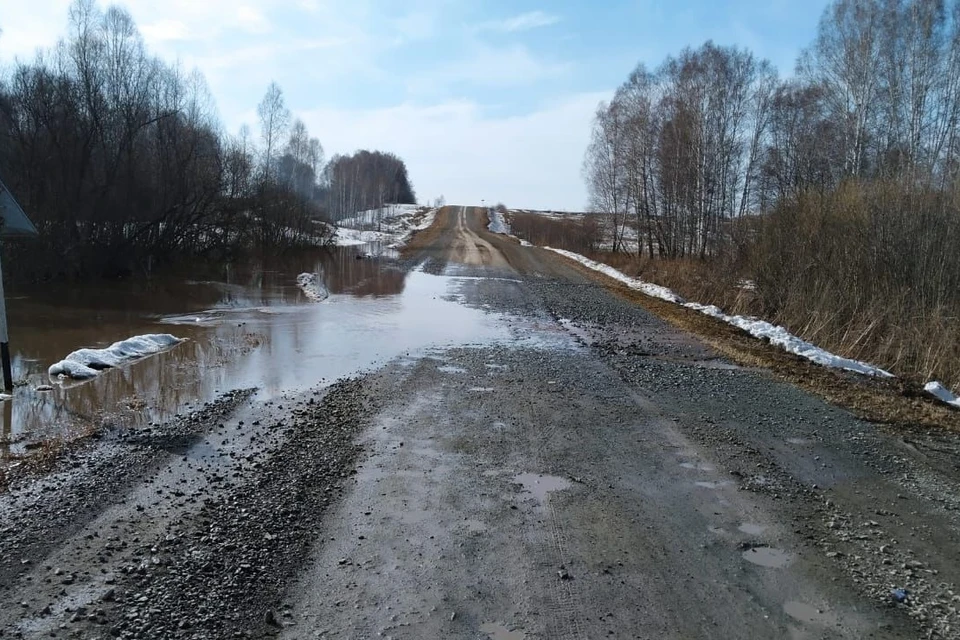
(485, 100)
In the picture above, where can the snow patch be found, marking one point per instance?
(87, 363)
(940, 392)
(648, 288)
(394, 225)
(355, 237)
(312, 287)
(781, 337)
(757, 328)
(524, 243)
(497, 223)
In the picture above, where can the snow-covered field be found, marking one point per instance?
(392, 225)
(87, 363)
(757, 328)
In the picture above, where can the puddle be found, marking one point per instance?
(497, 631)
(449, 368)
(804, 612)
(800, 441)
(768, 557)
(751, 529)
(480, 389)
(719, 484)
(245, 328)
(698, 466)
(540, 485)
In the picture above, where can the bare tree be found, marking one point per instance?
(274, 120)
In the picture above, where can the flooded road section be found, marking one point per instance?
(243, 328)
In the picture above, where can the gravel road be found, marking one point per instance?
(597, 474)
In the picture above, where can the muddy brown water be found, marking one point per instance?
(245, 326)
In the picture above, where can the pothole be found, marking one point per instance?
(698, 466)
(541, 485)
(768, 557)
(804, 612)
(709, 484)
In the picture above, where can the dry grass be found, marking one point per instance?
(870, 271)
(581, 234)
(41, 459)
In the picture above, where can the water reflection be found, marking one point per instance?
(245, 327)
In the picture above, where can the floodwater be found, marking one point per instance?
(244, 327)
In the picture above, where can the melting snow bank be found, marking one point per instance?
(312, 287)
(87, 363)
(757, 328)
(497, 223)
(942, 393)
(395, 224)
(653, 290)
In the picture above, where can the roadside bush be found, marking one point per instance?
(871, 270)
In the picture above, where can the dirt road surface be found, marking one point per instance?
(592, 472)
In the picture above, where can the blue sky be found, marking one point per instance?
(484, 100)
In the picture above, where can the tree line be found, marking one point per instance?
(364, 181)
(713, 133)
(834, 191)
(120, 160)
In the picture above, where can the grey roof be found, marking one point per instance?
(15, 221)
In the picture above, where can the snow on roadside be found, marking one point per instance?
(942, 393)
(87, 363)
(648, 288)
(781, 337)
(497, 223)
(757, 328)
(312, 287)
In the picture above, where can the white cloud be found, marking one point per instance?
(523, 22)
(454, 149)
(252, 20)
(164, 31)
(487, 67)
(28, 26)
